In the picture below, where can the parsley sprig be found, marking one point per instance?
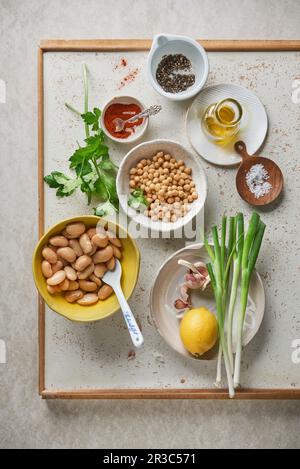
(95, 171)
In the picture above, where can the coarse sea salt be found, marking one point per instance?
(257, 180)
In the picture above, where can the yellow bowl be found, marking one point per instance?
(130, 270)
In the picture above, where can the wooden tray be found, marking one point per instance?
(277, 390)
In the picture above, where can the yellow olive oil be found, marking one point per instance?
(221, 121)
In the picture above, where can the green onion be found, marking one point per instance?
(216, 270)
(228, 266)
(237, 262)
(250, 253)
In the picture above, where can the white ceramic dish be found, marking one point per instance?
(165, 44)
(253, 130)
(148, 150)
(165, 291)
(140, 130)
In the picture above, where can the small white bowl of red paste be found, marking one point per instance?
(123, 107)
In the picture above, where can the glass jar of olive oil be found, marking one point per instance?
(221, 121)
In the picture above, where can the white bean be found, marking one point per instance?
(100, 270)
(85, 243)
(58, 266)
(47, 269)
(75, 229)
(57, 278)
(82, 262)
(100, 240)
(86, 272)
(59, 241)
(72, 296)
(87, 285)
(104, 292)
(74, 244)
(70, 272)
(49, 255)
(103, 255)
(67, 254)
(88, 299)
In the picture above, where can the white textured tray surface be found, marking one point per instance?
(96, 355)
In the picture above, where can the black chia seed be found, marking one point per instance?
(173, 73)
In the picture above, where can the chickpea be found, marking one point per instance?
(176, 177)
(132, 171)
(167, 157)
(154, 218)
(181, 182)
(151, 176)
(139, 166)
(192, 184)
(187, 187)
(160, 154)
(152, 187)
(155, 158)
(185, 201)
(132, 184)
(194, 196)
(173, 218)
(170, 200)
(155, 180)
(144, 162)
(156, 165)
(181, 194)
(188, 171)
(161, 178)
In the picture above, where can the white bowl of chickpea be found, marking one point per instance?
(169, 179)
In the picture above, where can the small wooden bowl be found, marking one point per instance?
(275, 176)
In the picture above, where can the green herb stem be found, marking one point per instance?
(86, 99)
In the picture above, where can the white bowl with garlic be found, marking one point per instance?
(176, 289)
(161, 185)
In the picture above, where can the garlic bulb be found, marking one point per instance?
(196, 278)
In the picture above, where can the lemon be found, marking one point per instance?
(199, 330)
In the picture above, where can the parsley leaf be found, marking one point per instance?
(64, 184)
(95, 172)
(137, 200)
(104, 209)
(92, 118)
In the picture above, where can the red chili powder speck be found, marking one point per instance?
(129, 78)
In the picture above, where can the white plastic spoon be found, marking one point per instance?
(112, 278)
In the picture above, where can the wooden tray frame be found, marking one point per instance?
(112, 45)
